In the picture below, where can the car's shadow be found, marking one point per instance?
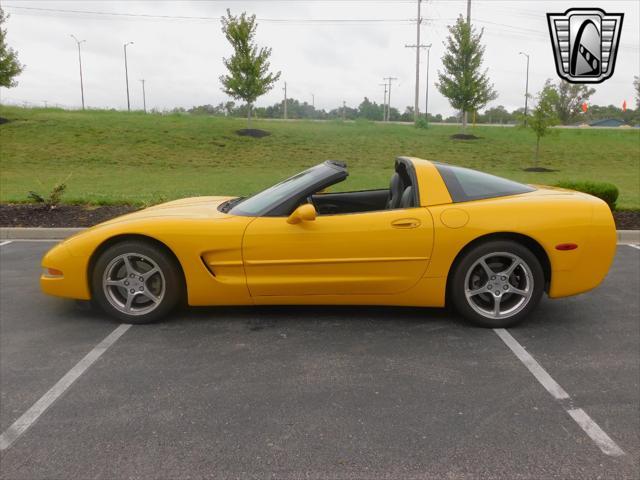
(265, 316)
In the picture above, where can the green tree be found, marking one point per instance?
(370, 110)
(10, 67)
(497, 114)
(569, 100)
(463, 82)
(249, 75)
(544, 115)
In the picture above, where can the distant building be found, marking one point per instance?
(607, 122)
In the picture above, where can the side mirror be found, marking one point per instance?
(304, 213)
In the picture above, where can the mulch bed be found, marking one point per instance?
(539, 169)
(464, 136)
(627, 220)
(30, 215)
(253, 132)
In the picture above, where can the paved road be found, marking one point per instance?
(320, 392)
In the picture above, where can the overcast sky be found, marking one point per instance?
(335, 60)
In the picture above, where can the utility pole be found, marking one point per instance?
(344, 106)
(389, 79)
(426, 95)
(80, 62)
(416, 107)
(144, 97)
(384, 105)
(418, 46)
(126, 74)
(469, 24)
(313, 101)
(526, 89)
(285, 100)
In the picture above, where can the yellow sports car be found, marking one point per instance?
(440, 235)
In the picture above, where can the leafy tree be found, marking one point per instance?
(544, 115)
(600, 112)
(569, 100)
(10, 67)
(463, 82)
(249, 75)
(408, 115)
(497, 114)
(229, 106)
(636, 85)
(370, 110)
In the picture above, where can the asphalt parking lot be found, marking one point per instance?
(318, 392)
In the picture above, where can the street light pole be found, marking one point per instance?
(80, 62)
(526, 92)
(126, 74)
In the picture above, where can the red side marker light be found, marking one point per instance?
(566, 246)
(52, 272)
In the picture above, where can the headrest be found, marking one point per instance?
(407, 198)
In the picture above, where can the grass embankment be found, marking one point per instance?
(113, 157)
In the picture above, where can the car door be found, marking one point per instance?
(382, 252)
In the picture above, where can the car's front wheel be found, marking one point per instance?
(497, 284)
(136, 282)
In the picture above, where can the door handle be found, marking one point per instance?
(406, 223)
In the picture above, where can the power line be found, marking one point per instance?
(187, 17)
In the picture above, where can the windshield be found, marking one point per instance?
(266, 200)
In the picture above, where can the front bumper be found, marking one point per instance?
(73, 282)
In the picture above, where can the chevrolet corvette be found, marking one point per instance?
(440, 235)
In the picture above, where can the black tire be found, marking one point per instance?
(531, 272)
(139, 255)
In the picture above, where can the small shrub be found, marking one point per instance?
(421, 122)
(53, 199)
(605, 191)
(35, 197)
(56, 194)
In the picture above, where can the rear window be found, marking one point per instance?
(465, 184)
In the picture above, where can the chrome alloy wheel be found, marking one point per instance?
(498, 285)
(133, 284)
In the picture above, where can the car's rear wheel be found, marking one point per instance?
(497, 284)
(136, 282)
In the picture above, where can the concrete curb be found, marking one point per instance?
(628, 236)
(20, 233)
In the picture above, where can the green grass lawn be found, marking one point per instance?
(113, 157)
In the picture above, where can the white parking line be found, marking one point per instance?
(632, 245)
(28, 418)
(6, 242)
(591, 428)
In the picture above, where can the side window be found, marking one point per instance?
(465, 184)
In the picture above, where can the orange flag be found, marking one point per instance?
(624, 106)
(584, 107)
